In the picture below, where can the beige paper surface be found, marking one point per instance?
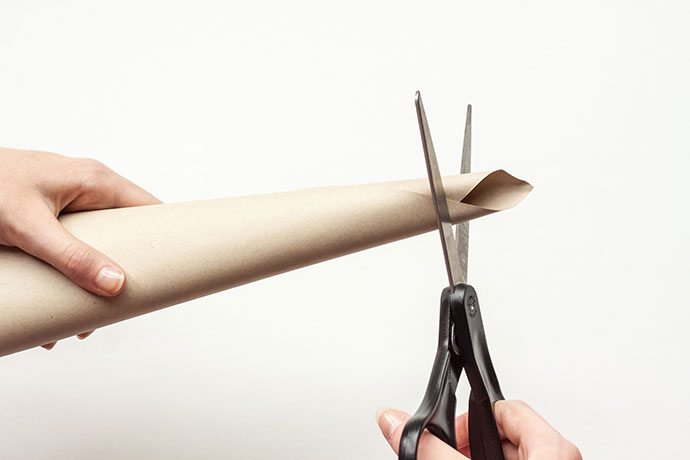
(177, 252)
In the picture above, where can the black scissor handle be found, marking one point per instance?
(471, 341)
(437, 411)
(485, 442)
(461, 343)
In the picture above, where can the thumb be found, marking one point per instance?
(45, 238)
(392, 421)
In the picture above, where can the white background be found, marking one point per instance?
(584, 286)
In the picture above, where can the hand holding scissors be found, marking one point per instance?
(492, 429)
(525, 435)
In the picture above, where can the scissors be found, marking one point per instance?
(461, 341)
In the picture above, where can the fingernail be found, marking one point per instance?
(389, 420)
(380, 411)
(49, 346)
(84, 335)
(110, 279)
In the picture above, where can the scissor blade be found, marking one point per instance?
(466, 165)
(455, 273)
(462, 230)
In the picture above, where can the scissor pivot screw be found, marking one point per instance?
(472, 304)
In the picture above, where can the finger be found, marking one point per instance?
(392, 421)
(84, 335)
(520, 424)
(100, 188)
(130, 194)
(510, 450)
(534, 436)
(462, 434)
(49, 346)
(41, 235)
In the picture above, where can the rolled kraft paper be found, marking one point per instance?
(176, 252)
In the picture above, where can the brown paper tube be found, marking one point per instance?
(176, 252)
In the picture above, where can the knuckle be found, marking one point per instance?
(8, 229)
(500, 408)
(93, 174)
(518, 403)
(570, 451)
(514, 407)
(556, 447)
(91, 164)
(78, 259)
(11, 228)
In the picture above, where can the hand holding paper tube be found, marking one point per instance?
(176, 252)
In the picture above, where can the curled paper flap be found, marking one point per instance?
(176, 252)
